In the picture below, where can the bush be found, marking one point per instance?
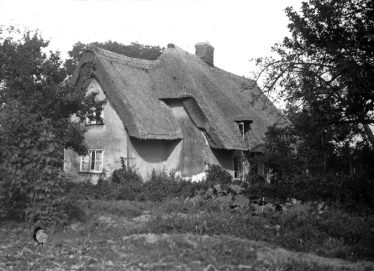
(217, 175)
(160, 187)
(352, 192)
(34, 193)
(353, 230)
(125, 174)
(163, 185)
(128, 183)
(124, 185)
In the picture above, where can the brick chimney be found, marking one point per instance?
(205, 51)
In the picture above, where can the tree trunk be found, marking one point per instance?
(370, 134)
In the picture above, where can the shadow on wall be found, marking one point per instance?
(224, 158)
(154, 151)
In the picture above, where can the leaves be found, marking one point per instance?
(134, 50)
(36, 106)
(326, 65)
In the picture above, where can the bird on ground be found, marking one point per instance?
(40, 236)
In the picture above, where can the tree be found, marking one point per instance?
(326, 67)
(36, 106)
(134, 50)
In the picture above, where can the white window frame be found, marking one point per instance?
(242, 128)
(92, 154)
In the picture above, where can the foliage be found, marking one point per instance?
(323, 71)
(116, 245)
(129, 182)
(309, 164)
(36, 105)
(280, 155)
(217, 175)
(325, 67)
(159, 187)
(126, 184)
(350, 192)
(134, 50)
(333, 234)
(115, 234)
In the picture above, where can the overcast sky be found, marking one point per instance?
(238, 29)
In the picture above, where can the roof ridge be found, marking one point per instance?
(123, 59)
(137, 86)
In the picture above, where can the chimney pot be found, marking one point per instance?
(205, 51)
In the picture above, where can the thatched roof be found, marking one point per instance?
(214, 99)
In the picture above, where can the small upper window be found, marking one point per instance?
(94, 121)
(241, 128)
(244, 126)
(93, 162)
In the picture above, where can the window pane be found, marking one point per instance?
(92, 162)
(85, 161)
(241, 128)
(99, 161)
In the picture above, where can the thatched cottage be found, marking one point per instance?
(178, 112)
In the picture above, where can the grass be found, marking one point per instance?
(196, 235)
(346, 239)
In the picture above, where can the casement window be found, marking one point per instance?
(94, 121)
(241, 128)
(244, 126)
(93, 162)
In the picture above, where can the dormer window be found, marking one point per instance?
(241, 128)
(244, 127)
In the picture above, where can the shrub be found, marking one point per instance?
(128, 183)
(124, 185)
(353, 192)
(125, 174)
(255, 179)
(159, 187)
(31, 185)
(217, 175)
(163, 185)
(37, 102)
(353, 230)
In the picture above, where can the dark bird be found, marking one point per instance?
(40, 236)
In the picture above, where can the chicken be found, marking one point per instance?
(40, 236)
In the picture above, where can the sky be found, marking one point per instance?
(239, 30)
